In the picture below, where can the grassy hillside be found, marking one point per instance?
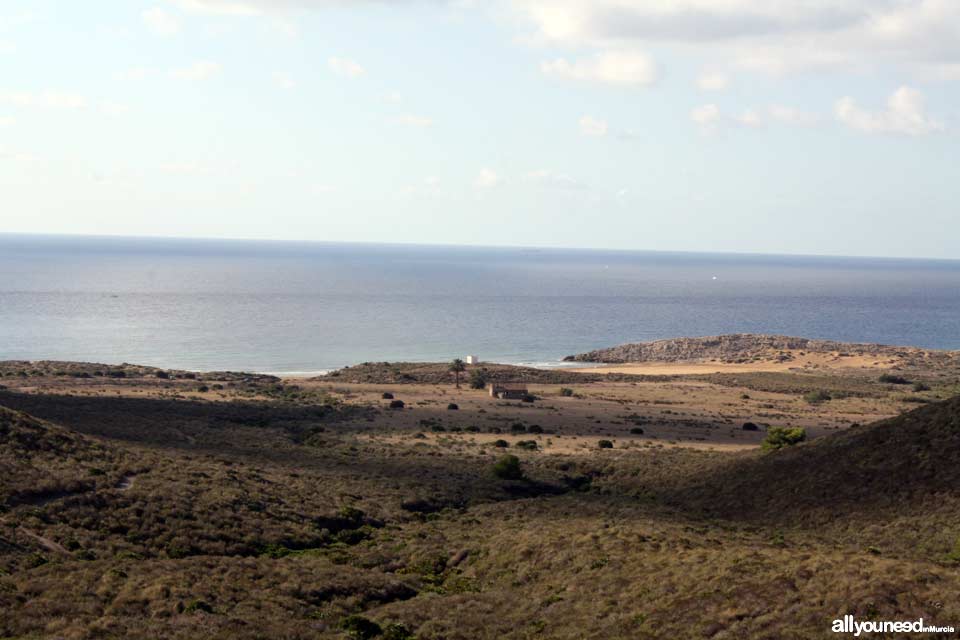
(270, 514)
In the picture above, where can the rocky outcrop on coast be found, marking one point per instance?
(740, 347)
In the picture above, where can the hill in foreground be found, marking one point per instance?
(168, 517)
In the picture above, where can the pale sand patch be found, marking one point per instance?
(552, 444)
(807, 362)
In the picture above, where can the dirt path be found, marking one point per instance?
(46, 543)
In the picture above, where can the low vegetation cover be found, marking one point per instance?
(141, 507)
(818, 396)
(889, 378)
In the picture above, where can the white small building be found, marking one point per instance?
(473, 360)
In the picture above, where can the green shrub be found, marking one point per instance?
(453, 406)
(529, 445)
(605, 444)
(198, 605)
(360, 628)
(501, 444)
(517, 427)
(637, 431)
(779, 437)
(508, 468)
(817, 397)
(36, 560)
(534, 428)
(890, 378)
(352, 514)
(397, 631)
(397, 404)
(565, 392)
(478, 379)
(920, 386)
(953, 556)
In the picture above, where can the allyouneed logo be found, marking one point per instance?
(849, 625)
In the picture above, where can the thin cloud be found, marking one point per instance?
(219, 7)
(905, 114)
(775, 37)
(346, 67)
(707, 117)
(198, 71)
(550, 179)
(411, 120)
(487, 179)
(283, 80)
(713, 81)
(45, 100)
(590, 126)
(710, 118)
(160, 22)
(619, 68)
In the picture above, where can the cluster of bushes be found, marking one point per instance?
(519, 427)
(889, 378)
(528, 445)
(817, 397)
(359, 628)
(780, 437)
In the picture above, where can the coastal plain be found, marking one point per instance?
(373, 502)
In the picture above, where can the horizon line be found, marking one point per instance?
(450, 245)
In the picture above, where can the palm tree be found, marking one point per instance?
(457, 367)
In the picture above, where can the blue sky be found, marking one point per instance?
(725, 125)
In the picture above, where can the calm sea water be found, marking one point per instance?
(302, 307)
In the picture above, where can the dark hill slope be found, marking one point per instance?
(40, 461)
(896, 481)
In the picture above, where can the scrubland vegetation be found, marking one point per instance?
(139, 506)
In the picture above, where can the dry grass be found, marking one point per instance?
(275, 510)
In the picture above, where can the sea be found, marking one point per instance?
(310, 307)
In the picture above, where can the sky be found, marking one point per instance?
(774, 126)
